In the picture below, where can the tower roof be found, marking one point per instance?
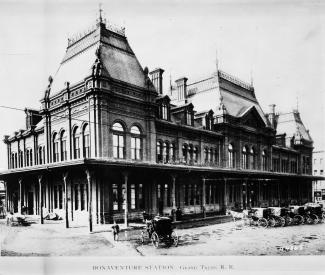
(292, 125)
(105, 43)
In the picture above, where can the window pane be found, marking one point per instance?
(135, 130)
(115, 140)
(118, 127)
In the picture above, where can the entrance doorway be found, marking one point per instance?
(30, 203)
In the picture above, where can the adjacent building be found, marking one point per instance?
(318, 170)
(110, 142)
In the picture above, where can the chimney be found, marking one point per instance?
(157, 79)
(272, 115)
(181, 88)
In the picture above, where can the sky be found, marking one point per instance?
(278, 44)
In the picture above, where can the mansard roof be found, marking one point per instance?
(226, 91)
(118, 60)
(292, 125)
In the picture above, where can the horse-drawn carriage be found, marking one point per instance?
(275, 214)
(159, 230)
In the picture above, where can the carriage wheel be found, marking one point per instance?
(155, 239)
(262, 222)
(308, 219)
(298, 219)
(271, 222)
(288, 221)
(314, 218)
(323, 217)
(282, 221)
(174, 238)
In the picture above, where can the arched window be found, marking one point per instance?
(63, 145)
(118, 141)
(252, 159)
(165, 152)
(55, 147)
(31, 157)
(172, 152)
(159, 151)
(211, 155)
(231, 159)
(76, 143)
(86, 143)
(40, 155)
(27, 157)
(21, 158)
(244, 158)
(206, 155)
(185, 155)
(136, 148)
(195, 155)
(190, 152)
(264, 160)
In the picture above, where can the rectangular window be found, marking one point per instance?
(185, 187)
(60, 197)
(189, 118)
(132, 196)
(118, 146)
(123, 196)
(115, 196)
(82, 197)
(55, 191)
(76, 197)
(140, 196)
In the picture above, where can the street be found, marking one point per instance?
(53, 239)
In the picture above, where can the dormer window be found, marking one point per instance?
(164, 111)
(189, 117)
(209, 121)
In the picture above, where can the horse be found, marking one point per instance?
(238, 215)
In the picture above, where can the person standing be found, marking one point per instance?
(116, 230)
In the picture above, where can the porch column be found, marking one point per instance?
(40, 177)
(203, 197)
(259, 193)
(88, 173)
(225, 195)
(279, 196)
(174, 197)
(246, 193)
(125, 174)
(20, 196)
(65, 176)
(6, 197)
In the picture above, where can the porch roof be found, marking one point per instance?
(172, 168)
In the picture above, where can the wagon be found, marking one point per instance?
(315, 211)
(275, 213)
(298, 214)
(256, 216)
(159, 230)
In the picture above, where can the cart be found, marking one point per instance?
(159, 230)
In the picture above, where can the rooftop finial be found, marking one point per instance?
(217, 60)
(252, 80)
(100, 13)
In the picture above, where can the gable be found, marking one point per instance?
(252, 118)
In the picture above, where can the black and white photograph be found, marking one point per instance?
(162, 136)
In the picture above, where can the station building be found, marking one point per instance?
(109, 142)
